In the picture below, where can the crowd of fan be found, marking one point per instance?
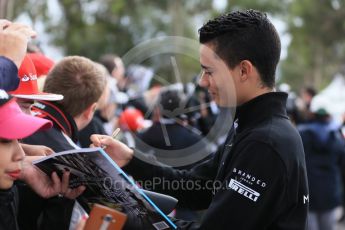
(79, 97)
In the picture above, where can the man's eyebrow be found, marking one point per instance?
(205, 67)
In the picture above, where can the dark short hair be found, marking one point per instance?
(310, 90)
(170, 100)
(108, 60)
(245, 35)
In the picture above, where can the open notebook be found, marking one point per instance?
(107, 184)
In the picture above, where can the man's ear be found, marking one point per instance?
(88, 113)
(246, 70)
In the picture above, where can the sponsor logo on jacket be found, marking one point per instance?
(248, 178)
(244, 190)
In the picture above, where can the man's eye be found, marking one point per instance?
(208, 73)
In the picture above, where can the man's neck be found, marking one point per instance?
(79, 122)
(256, 93)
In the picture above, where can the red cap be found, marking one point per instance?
(131, 119)
(41, 62)
(14, 124)
(28, 88)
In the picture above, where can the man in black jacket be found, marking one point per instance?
(258, 176)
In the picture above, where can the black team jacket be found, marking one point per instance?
(9, 209)
(54, 213)
(257, 180)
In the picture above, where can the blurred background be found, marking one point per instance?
(312, 31)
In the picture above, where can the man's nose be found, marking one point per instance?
(204, 82)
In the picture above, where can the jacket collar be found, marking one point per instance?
(261, 108)
(61, 120)
(7, 196)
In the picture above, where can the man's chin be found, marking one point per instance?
(225, 104)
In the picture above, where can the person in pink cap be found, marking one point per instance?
(14, 125)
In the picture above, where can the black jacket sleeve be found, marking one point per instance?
(193, 188)
(252, 194)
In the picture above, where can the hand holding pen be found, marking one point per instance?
(117, 150)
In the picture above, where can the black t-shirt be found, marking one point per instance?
(259, 175)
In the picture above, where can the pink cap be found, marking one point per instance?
(14, 124)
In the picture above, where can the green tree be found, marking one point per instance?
(317, 48)
(91, 28)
